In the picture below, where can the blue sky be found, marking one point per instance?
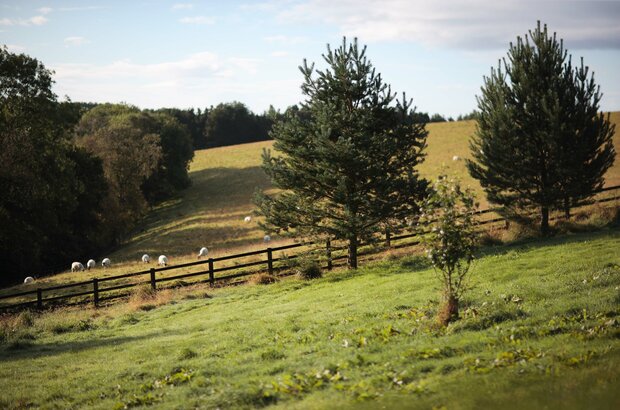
(200, 53)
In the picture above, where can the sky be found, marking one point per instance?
(155, 53)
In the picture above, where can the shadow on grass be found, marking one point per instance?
(537, 243)
(30, 350)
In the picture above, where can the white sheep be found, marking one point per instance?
(90, 264)
(106, 262)
(456, 158)
(29, 279)
(77, 267)
(247, 218)
(266, 238)
(146, 258)
(203, 252)
(163, 260)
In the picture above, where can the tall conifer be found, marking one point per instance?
(540, 139)
(346, 161)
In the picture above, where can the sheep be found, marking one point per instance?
(77, 267)
(456, 158)
(266, 238)
(90, 264)
(163, 260)
(29, 279)
(106, 262)
(203, 252)
(247, 218)
(146, 258)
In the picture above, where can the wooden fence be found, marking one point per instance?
(209, 270)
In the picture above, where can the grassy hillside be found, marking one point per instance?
(211, 212)
(540, 329)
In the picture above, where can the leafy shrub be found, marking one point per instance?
(309, 269)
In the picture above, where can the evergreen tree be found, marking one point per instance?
(540, 140)
(347, 159)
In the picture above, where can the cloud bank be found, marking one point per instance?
(471, 24)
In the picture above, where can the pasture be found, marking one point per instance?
(211, 212)
(539, 329)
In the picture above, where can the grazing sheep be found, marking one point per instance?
(456, 158)
(106, 262)
(203, 252)
(77, 267)
(29, 279)
(90, 264)
(266, 238)
(163, 260)
(247, 218)
(146, 258)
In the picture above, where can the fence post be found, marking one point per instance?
(39, 298)
(328, 251)
(269, 261)
(211, 277)
(388, 238)
(153, 283)
(95, 292)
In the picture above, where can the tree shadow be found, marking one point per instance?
(29, 350)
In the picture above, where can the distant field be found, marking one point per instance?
(211, 212)
(539, 330)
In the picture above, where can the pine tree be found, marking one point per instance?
(347, 159)
(540, 140)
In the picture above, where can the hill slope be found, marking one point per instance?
(540, 328)
(210, 213)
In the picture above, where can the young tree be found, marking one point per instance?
(540, 140)
(347, 159)
(450, 244)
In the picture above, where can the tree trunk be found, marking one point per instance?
(352, 261)
(544, 223)
(567, 208)
(449, 311)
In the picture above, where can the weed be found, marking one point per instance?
(263, 279)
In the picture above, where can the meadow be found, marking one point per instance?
(211, 212)
(539, 328)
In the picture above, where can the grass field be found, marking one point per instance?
(539, 329)
(211, 212)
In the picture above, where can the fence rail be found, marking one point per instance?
(93, 290)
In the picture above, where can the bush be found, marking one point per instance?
(263, 279)
(309, 269)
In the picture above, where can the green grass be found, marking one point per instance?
(539, 329)
(211, 212)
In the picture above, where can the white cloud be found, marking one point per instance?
(75, 41)
(196, 66)
(197, 20)
(32, 21)
(285, 40)
(182, 6)
(198, 80)
(470, 24)
(279, 54)
(45, 10)
(14, 48)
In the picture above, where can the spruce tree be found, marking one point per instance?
(541, 141)
(346, 161)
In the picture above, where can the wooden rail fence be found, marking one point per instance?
(94, 289)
